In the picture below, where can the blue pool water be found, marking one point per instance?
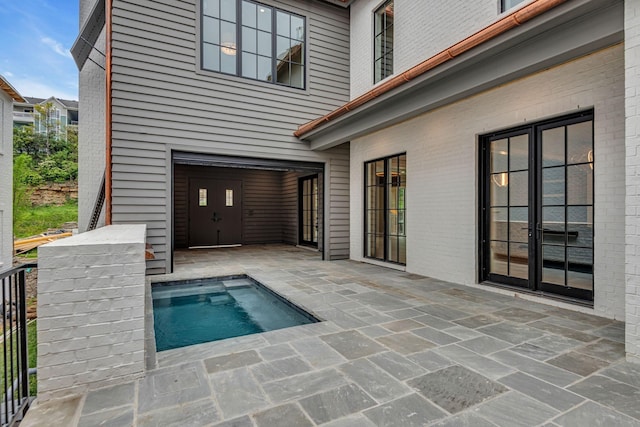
(204, 310)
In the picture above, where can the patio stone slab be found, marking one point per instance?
(500, 411)
(485, 345)
(373, 380)
(551, 344)
(398, 366)
(594, 321)
(519, 315)
(580, 364)
(478, 321)
(465, 419)
(172, 386)
(434, 322)
(540, 370)
(277, 369)
(110, 418)
(435, 335)
(278, 351)
(380, 301)
(512, 332)
(285, 415)
(318, 353)
(542, 391)
(237, 392)
(232, 361)
(52, 413)
(624, 372)
(463, 332)
(456, 388)
(351, 421)
(443, 312)
(111, 397)
(336, 403)
(405, 313)
(481, 364)
(402, 325)
(374, 331)
(565, 332)
(430, 360)
(614, 332)
(303, 385)
(604, 349)
(201, 413)
(594, 415)
(405, 343)
(237, 422)
(352, 344)
(408, 411)
(621, 397)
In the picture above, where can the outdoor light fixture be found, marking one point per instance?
(228, 48)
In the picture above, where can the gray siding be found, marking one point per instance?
(161, 101)
(337, 202)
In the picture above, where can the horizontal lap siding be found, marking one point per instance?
(162, 102)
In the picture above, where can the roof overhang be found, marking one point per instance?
(89, 34)
(568, 31)
(10, 90)
(343, 3)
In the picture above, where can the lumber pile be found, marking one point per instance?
(21, 246)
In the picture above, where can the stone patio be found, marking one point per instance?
(395, 349)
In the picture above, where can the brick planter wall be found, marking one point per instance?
(91, 310)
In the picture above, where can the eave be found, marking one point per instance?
(10, 90)
(501, 53)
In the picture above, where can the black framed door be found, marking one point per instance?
(537, 207)
(215, 212)
(308, 210)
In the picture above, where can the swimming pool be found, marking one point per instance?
(203, 310)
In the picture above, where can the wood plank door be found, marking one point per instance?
(215, 212)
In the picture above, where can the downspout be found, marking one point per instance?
(108, 132)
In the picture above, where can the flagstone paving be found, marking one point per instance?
(394, 349)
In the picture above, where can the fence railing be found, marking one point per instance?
(15, 375)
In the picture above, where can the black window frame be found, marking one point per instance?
(504, 7)
(384, 58)
(386, 208)
(239, 25)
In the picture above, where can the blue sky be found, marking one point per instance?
(35, 38)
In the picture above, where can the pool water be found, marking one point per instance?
(203, 310)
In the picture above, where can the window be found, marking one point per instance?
(385, 209)
(508, 4)
(383, 42)
(254, 41)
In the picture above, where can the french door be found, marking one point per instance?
(537, 207)
(308, 210)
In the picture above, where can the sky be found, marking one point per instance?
(35, 38)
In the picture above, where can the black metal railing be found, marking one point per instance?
(15, 396)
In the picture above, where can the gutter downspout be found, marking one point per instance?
(499, 27)
(108, 131)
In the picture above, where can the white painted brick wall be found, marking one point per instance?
(442, 170)
(6, 180)
(439, 24)
(632, 243)
(91, 127)
(91, 310)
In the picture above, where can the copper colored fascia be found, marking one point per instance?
(6, 86)
(108, 133)
(499, 27)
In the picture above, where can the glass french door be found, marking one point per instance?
(309, 211)
(537, 209)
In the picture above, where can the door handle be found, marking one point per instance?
(215, 217)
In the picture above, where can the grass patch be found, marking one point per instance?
(32, 356)
(30, 221)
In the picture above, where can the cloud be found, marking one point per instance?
(8, 74)
(56, 47)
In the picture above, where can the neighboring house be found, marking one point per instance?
(8, 95)
(62, 114)
(476, 143)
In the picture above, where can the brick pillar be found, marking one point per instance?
(91, 310)
(632, 240)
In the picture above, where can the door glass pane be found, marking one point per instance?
(580, 184)
(553, 229)
(498, 258)
(211, 30)
(498, 224)
(264, 18)
(553, 186)
(580, 142)
(519, 260)
(248, 14)
(519, 225)
(499, 189)
(553, 264)
(211, 8)
(499, 155)
(393, 249)
(249, 65)
(519, 188)
(553, 147)
(229, 198)
(202, 197)
(519, 152)
(580, 225)
(580, 273)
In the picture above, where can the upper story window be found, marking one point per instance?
(508, 4)
(255, 41)
(383, 41)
